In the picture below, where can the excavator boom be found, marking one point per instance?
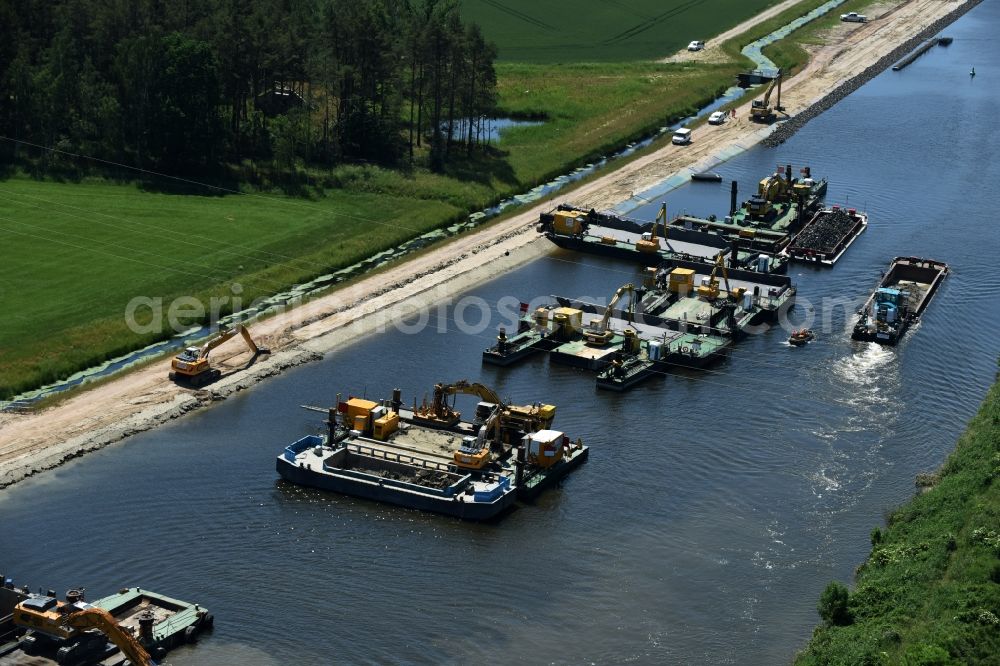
(103, 621)
(63, 621)
(485, 393)
(711, 290)
(652, 244)
(761, 109)
(599, 332)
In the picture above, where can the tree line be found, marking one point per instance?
(182, 84)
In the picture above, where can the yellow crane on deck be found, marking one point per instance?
(67, 622)
(652, 244)
(711, 290)
(499, 422)
(598, 332)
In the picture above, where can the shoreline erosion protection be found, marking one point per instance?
(143, 399)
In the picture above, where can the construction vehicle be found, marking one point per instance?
(498, 422)
(191, 366)
(598, 332)
(651, 242)
(80, 631)
(709, 288)
(760, 109)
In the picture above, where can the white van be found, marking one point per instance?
(681, 137)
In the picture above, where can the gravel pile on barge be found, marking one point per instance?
(828, 235)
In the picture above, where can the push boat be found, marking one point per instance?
(900, 298)
(801, 337)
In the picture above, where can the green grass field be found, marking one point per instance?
(930, 590)
(75, 254)
(579, 31)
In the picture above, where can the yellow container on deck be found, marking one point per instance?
(547, 413)
(567, 222)
(681, 280)
(360, 423)
(571, 316)
(359, 406)
(385, 426)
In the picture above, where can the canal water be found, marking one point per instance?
(715, 506)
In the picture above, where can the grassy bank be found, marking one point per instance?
(929, 593)
(734, 46)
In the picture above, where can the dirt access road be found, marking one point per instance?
(143, 398)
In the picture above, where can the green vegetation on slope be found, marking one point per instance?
(591, 108)
(574, 31)
(930, 590)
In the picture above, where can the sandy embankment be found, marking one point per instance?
(144, 398)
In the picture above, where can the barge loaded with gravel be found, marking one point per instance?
(767, 221)
(827, 236)
(899, 299)
(133, 627)
(428, 458)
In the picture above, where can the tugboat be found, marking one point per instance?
(801, 337)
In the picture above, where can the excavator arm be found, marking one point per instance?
(761, 109)
(598, 331)
(485, 393)
(228, 335)
(103, 621)
(652, 244)
(712, 289)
